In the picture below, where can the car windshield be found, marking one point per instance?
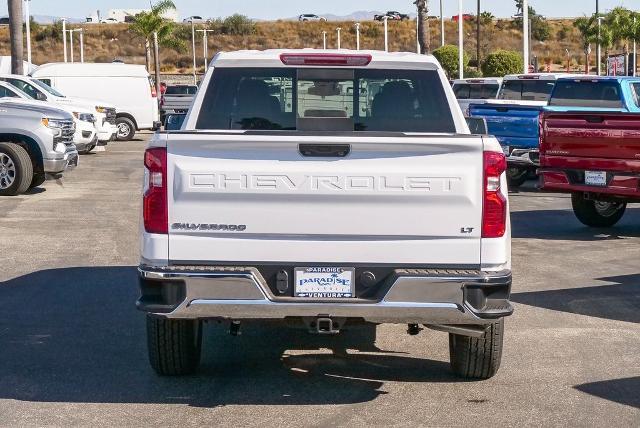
(315, 99)
(526, 90)
(475, 91)
(47, 88)
(580, 93)
(181, 90)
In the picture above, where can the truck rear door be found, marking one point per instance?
(305, 165)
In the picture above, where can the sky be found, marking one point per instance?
(273, 9)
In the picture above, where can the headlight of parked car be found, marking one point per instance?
(55, 125)
(86, 117)
(101, 109)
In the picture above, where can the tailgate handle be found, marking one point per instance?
(595, 119)
(324, 150)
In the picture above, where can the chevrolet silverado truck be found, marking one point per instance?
(475, 91)
(35, 141)
(589, 146)
(513, 119)
(176, 100)
(325, 189)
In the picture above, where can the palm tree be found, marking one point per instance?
(15, 34)
(423, 25)
(146, 23)
(588, 28)
(623, 26)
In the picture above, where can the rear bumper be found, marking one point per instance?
(524, 158)
(620, 184)
(414, 296)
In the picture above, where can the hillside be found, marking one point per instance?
(103, 43)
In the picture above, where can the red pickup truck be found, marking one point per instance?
(595, 156)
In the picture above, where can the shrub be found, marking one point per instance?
(238, 25)
(447, 55)
(501, 62)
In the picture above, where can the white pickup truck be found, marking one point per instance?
(328, 189)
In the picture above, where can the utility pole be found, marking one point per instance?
(156, 63)
(478, 36)
(81, 45)
(71, 43)
(357, 36)
(338, 30)
(205, 47)
(15, 35)
(386, 33)
(460, 42)
(598, 47)
(324, 40)
(441, 24)
(525, 35)
(28, 29)
(64, 37)
(418, 33)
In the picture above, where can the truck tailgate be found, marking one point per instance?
(513, 125)
(240, 196)
(591, 135)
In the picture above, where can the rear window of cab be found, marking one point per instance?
(326, 99)
(587, 93)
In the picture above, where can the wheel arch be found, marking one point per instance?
(30, 145)
(130, 117)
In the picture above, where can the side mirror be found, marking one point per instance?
(477, 125)
(173, 122)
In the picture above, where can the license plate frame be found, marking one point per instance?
(324, 282)
(595, 178)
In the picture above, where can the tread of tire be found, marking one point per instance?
(24, 166)
(586, 213)
(172, 346)
(477, 358)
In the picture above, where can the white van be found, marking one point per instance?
(126, 86)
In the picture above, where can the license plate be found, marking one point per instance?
(324, 282)
(595, 178)
(505, 150)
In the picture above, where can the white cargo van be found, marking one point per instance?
(126, 86)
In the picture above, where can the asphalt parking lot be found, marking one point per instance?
(73, 347)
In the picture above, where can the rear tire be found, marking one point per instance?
(477, 358)
(16, 169)
(174, 346)
(516, 177)
(126, 129)
(597, 213)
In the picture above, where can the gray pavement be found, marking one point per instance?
(73, 350)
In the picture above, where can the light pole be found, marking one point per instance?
(64, 37)
(193, 49)
(324, 40)
(441, 24)
(28, 25)
(418, 33)
(73, 30)
(357, 36)
(525, 35)
(205, 47)
(386, 33)
(81, 45)
(338, 30)
(598, 47)
(71, 43)
(460, 42)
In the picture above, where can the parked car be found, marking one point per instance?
(513, 120)
(589, 146)
(194, 18)
(392, 15)
(85, 137)
(109, 21)
(176, 99)
(475, 91)
(125, 86)
(104, 112)
(35, 141)
(279, 204)
(310, 17)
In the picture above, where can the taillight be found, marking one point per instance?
(322, 59)
(494, 209)
(156, 218)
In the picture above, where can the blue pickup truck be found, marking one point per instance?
(513, 119)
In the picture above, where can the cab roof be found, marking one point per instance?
(272, 58)
(539, 76)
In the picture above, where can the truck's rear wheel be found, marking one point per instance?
(16, 169)
(597, 213)
(174, 345)
(516, 177)
(477, 358)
